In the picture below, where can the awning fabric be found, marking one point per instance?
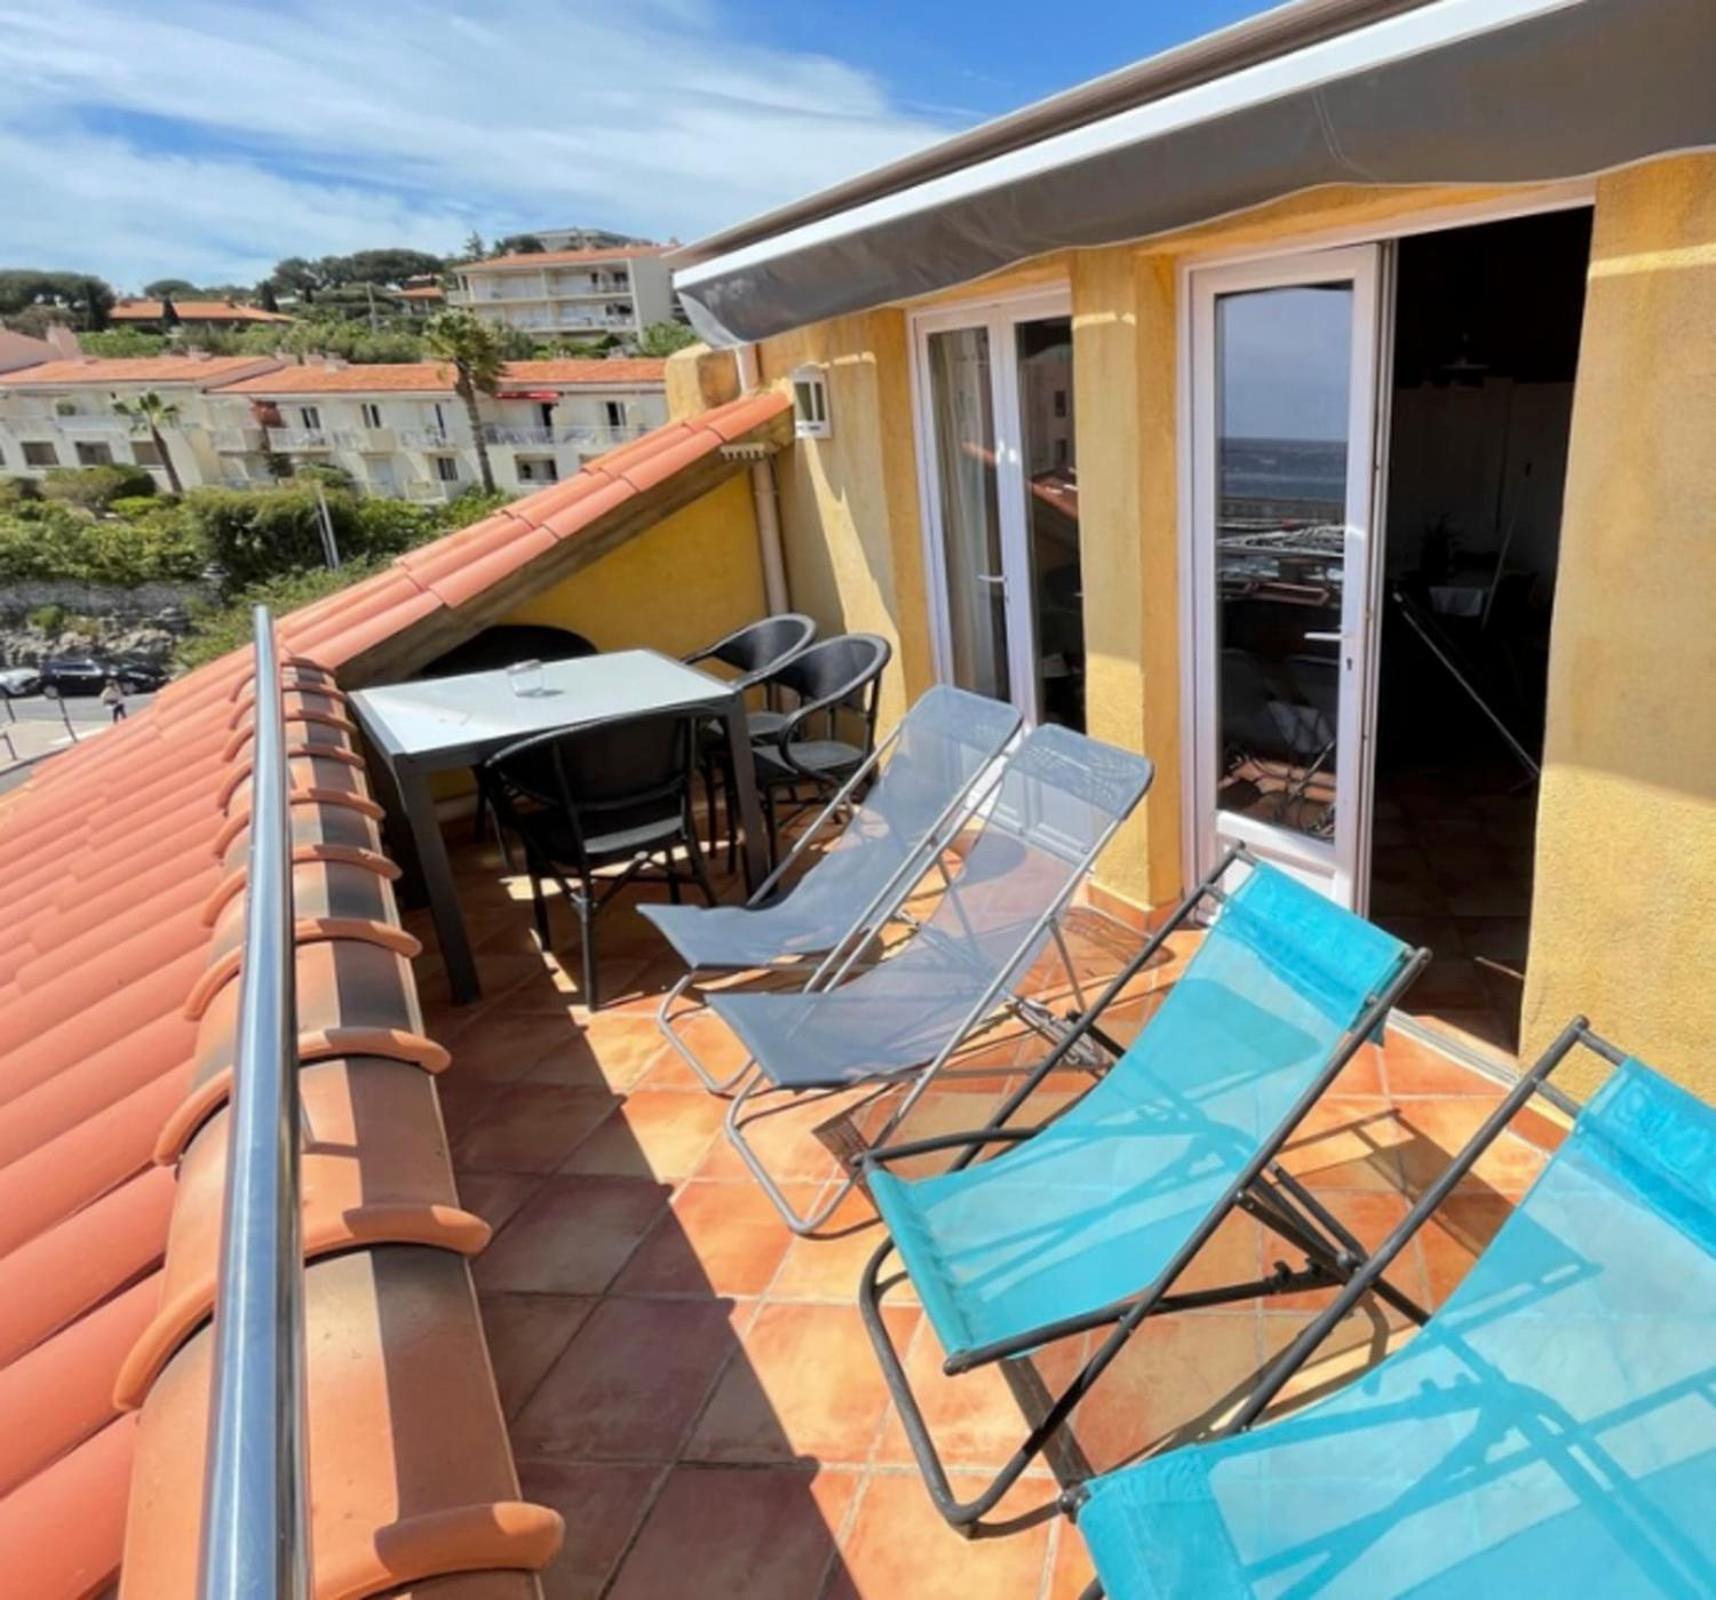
(1458, 91)
(527, 394)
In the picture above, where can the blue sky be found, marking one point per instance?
(207, 138)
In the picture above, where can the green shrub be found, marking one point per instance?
(218, 629)
(122, 342)
(256, 534)
(50, 619)
(53, 541)
(97, 487)
(132, 506)
(326, 474)
(15, 491)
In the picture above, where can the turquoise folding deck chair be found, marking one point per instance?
(1087, 1222)
(1551, 1430)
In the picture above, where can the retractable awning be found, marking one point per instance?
(1444, 92)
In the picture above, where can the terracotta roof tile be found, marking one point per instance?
(124, 859)
(205, 372)
(194, 311)
(433, 377)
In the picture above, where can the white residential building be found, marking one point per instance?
(65, 414)
(576, 294)
(401, 430)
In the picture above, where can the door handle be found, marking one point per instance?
(992, 577)
(1324, 638)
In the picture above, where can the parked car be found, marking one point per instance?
(138, 674)
(70, 675)
(16, 682)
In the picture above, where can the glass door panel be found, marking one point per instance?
(1283, 362)
(1283, 376)
(962, 426)
(1049, 465)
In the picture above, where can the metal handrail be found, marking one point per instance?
(255, 1543)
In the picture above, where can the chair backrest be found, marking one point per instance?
(760, 649)
(506, 643)
(1060, 797)
(940, 749)
(633, 767)
(843, 674)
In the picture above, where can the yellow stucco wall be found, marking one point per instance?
(849, 508)
(1624, 920)
(677, 586)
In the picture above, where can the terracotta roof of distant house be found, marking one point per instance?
(561, 258)
(206, 372)
(430, 377)
(621, 369)
(123, 861)
(425, 291)
(194, 311)
(20, 350)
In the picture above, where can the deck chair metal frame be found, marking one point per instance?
(1368, 1275)
(996, 995)
(871, 918)
(1263, 1189)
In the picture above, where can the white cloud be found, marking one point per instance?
(320, 126)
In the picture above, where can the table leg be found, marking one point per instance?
(756, 854)
(438, 883)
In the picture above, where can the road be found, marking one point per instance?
(35, 727)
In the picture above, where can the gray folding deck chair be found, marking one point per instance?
(915, 785)
(1551, 1430)
(1060, 797)
(1087, 1222)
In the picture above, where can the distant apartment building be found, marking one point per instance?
(400, 429)
(422, 297)
(571, 293)
(397, 428)
(65, 414)
(151, 315)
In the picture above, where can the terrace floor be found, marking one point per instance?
(692, 1387)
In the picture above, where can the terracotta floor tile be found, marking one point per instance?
(829, 1264)
(1175, 1378)
(1235, 1254)
(784, 1140)
(1362, 1339)
(976, 1419)
(722, 1238)
(526, 1333)
(531, 1127)
(1454, 1238)
(502, 1049)
(1370, 1215)
(806, 1384)
(613, 1057)
(713, 1043)
(1070, 1569)
(602, 1506)
(496, 1196)
(899, 1548)
(1438, 1129)
(747, 1533)
(1347, 1142)
(629, 1384)
(1415, 1069)
(572, 1236)
(652, 1134)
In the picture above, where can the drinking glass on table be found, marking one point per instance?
(525, 677)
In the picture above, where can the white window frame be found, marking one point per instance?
(997, 314)
(446, 468)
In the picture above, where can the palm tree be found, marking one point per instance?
(474, 351)
(149, 411)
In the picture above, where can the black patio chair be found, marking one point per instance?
(756, 653)
(831, 730)
(503, 645)
(581, 799)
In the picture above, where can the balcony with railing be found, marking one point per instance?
(239, 441)
(367, 441)
(430, 438)
(299, 439)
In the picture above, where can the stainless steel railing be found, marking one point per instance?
(255, 1520)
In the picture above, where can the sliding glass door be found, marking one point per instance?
(1283, 391)
(998, 450)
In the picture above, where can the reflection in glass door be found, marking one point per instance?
(1283, 397)
(995, 399)
(962, 411)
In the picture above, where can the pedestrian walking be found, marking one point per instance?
(113, 697)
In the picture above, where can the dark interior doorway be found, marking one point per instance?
(1487, 323)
